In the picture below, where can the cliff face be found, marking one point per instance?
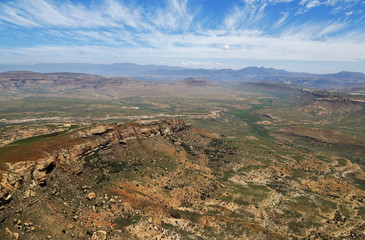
(90, 140)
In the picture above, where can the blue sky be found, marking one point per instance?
(317, 36)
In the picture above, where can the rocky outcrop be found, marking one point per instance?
(42, 168)
(92, 139)
(341, 102)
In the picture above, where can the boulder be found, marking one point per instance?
(91, 196)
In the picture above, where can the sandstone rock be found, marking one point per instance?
(91, 196)
(99, 235)
(43, 167)
(29, 193)
(8, 232)
(14, 179)
(40, 177)
(96, 130)
(16, 235)
(5, 195)
(166, 132)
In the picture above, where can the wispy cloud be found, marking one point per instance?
(40, 13)
(314, 30)
(175, 16)
(247, 16)
(16, 16)
(335, 6)
(281, 21)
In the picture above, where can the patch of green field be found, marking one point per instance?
(37, 139)
(34, 148)
(251, 119)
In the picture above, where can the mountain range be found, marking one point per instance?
(160, 72)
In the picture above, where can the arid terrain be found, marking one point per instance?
(89, 157)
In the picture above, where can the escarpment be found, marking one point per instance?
(72, 150)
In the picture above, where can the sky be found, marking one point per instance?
(317, 36)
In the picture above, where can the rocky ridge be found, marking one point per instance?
(94, 139)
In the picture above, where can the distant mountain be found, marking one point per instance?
(109, 70)
(167, 73)
(28, 83)
(21, 82)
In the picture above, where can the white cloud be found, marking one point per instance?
(282, 20)
(251, 46)
(175, 16)
(314, 30)
(11, 14)
(336, 6)
(226, 47)
(32, 13)
(120, 13)
(310, 3)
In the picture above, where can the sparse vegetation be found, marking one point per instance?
(268, 164)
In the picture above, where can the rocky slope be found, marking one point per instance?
(93, 140)
(165, 179)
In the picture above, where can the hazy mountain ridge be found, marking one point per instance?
(159, 72)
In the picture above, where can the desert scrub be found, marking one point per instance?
(122, 222)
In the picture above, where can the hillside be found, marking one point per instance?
(167, 179)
